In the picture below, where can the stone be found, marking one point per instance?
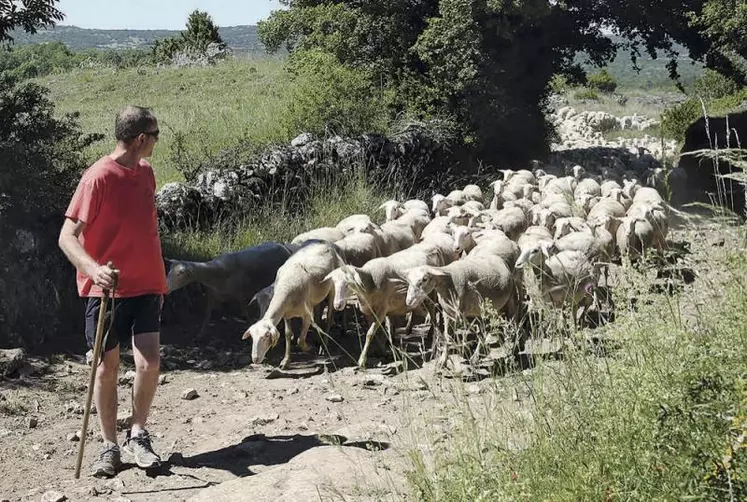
(291, 391)
(115, 484)
(32, 422)
(264, 420)
(11, 361)
(302, 139)
(89, 357)
(334, 398)
(128, 378)
(74, 436)
(162, 379)
(74, 407)
(53, 496)
(190, 394)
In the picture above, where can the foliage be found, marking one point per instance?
(40, 155)
(713, 85)
(329, 98)
(27, 15)
(38, 60)
(200, 36)
(602, 81)
(486, 64)
(586, 94)
(659, 415)
(712, 93)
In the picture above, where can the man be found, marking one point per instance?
(112, 217)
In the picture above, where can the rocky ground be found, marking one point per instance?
(319, 431)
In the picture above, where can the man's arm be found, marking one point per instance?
(68, 241)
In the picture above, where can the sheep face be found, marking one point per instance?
(264, 336)
(178, 276)
(339, 278)
(420, 282)
(392, 209)
(462, 239)
(437, 202)
(578, 172)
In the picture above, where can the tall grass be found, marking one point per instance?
(331, 199)
(209, 107)
(663, 417)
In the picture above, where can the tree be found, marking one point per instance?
(28, 15)
(489, 63)
(200, 34)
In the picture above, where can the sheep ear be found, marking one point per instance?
(436, 272)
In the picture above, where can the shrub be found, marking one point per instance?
(40, 161)
(713, 85)
(602, 81)
(327, 97)
(676, 119)
(587, 94)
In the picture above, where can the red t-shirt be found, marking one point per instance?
(118, 206)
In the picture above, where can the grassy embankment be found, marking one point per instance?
(211, 108)
(661, 416)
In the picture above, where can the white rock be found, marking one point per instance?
(334, 398)
(53, 496)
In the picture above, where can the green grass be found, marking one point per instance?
(653, 420)
(331, 200)
(213, 107)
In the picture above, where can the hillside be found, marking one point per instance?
(239, 38)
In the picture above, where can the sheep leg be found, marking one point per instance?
(372, 329)
(330, 310)
(206, 320)
(446, 338)
(306, 324)
(288, 338)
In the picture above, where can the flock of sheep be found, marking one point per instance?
(444, 260)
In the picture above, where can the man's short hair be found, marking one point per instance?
(131, 121)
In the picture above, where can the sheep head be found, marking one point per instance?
(578, 172)
(339, 278)
(264, 336)
(180, 274)
(392, 209)
(463, 239)
(420, 282)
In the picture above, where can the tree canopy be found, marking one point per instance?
(29, 15)
(488, 63)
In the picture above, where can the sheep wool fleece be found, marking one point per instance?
(118, 206)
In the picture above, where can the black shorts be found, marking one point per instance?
(132, 316)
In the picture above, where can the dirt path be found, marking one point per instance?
(320, 433)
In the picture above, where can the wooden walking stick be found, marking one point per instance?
(94, 365)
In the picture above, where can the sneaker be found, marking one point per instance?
(139, 447)
(109, 460)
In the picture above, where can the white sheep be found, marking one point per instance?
(392, 209)
(359, 247)
(512, 221)
(473, 193)
(380, 289)
(461, 286)
(328, 234)
(396, 236)
(300, 285)
(351, 223)
(634, 237)
(565, 277)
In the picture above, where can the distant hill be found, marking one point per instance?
(244, 39)
(239, 38)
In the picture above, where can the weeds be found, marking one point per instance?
(661, 419)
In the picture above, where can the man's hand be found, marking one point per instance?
(103, 276)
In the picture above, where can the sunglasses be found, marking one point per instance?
(152, 133)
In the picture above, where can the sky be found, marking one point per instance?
(160, 14)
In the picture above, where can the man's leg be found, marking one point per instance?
(146, 353)
(145, 350)
(105, 391)
(105, 394)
